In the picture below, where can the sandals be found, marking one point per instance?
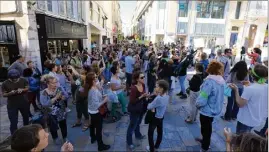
(76, 125)
(84, 128)
(188, 121)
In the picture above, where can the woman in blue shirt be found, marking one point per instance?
(158, 105)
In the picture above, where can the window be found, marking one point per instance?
(99, 15)
(203, 9)
(80, 10)
(69, 8)
(61, 7)
(91, 11)
(218, 9)
(237, 12)
(210, 9)
(49, 5)
(7, 34)
(41, 5)
(162, 4)
(183, 9)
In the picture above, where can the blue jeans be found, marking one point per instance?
(241, 128)
(134, 126)
(232, 108)
(182, 84)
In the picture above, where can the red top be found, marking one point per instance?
(135, 94)
(253, 56)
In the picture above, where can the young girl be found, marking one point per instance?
(159, 105)
(195, 82)
(253, 102)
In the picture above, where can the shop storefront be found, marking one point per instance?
(59, 37)
(8, 46)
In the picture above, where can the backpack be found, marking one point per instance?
(69, 62)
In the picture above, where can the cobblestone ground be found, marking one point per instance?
(177, 136)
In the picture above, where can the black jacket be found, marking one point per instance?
(196, 81)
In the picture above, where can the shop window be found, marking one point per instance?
(183, 9)
(49, 5)
(237, 12)
(4, 57)
(210, 9)
(7, 34)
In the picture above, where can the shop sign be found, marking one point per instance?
(57, 28)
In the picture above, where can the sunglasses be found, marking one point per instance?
(142, 77)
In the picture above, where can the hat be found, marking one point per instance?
(13, 74)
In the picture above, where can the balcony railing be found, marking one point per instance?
(209, 29)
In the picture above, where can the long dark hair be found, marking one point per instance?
(241, 70)
(90, 77)
(135, 77)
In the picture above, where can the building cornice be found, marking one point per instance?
(144, 9)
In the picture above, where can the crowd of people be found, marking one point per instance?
(140, 79)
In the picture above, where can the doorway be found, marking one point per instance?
(251, 35)
(233, 39)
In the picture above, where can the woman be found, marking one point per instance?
(52, 99)
(118, 87)
(210, 101)
(158, 105)
(255, 56)
(151, 72)
(33, 138)
(238, 75)
(34, 86)
(136, 108)
(63, 83)
(95, 101)
(253, 103)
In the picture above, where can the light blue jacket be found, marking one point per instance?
(211, 97)
(160, 103)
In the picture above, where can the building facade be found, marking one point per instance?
(212, 22)
(34, 28)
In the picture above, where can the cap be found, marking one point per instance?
(13, 74)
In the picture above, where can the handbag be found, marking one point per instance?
(103, 109)
(150, 116)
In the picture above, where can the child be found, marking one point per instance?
(195, 83)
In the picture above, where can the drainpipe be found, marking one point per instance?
(12, 12)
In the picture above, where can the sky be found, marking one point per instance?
(127, 9)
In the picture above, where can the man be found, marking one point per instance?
(225, 61)
(75, 61)
(129, 64)
(15, 89)
(234, 52)
(18, 65)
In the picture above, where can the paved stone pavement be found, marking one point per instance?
(177, 136)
